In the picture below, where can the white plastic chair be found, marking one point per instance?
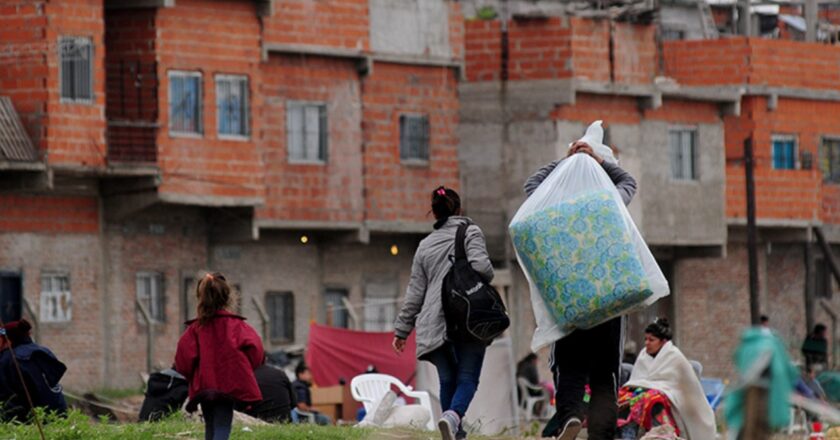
(370, 388)
(529, 402)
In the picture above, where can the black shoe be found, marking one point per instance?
(571, 429)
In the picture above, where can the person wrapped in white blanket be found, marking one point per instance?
(664, 390)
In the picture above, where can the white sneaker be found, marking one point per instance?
(571, 429)
(448, 424)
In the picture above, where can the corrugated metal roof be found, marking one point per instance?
(14, 142)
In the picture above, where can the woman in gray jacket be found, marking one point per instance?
(458, 363)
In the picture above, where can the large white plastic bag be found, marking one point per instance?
(583, 256)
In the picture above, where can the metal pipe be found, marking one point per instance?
(35, 323)
(833, 315)
(263, 317)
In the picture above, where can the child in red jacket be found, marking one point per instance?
(218, 354)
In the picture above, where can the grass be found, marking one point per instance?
(78, 426)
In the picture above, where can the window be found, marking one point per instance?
(823, 285)
(671, 34)
(683, 154)
(232, 105)
(56, 301)
(830, 160)
(334, 306)
(414, 138)
(11, 296)
(150, 293)
(188, 299)
(380, 306)
(185, 102)
(76, 61)
(784, 152)
(306, 127)
(280, 307)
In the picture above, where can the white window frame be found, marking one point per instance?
(51, 311)
(415, 161)
(695, 169)
(200, 112)
(321, 130)
(782, 137)
(61, 42)
(157, 318)
(246, 123)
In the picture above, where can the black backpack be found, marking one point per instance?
(473, 309)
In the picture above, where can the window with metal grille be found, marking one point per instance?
(150, 293)
(414, 138)
(380, 306)
(76, 67)
(830, 160)
(56, 302)
(232, 105)
(335, 309)
(683, 154)
(784, 152)
(306, 128)
(280, 307)
(185, 102)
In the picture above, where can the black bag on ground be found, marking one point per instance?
(165, 393)
(473, 309)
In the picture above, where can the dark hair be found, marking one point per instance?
(445, 203)
(819, 328)
(213, 293)
(764, 319)
(660, 329)
(531, 357)
(17, 332)
(300, 369)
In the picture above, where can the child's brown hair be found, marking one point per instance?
(214, 294)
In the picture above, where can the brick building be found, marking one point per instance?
(678, 113)
(291, 144)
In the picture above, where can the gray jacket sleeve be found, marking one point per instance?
(624, 182)
(477, 253)
(414, 296)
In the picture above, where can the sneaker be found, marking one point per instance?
(570, 429)
(461, 434)
(448, 424)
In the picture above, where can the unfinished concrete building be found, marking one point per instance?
(677, 113)
(290, 144)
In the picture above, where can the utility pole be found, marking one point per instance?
(744, 19)
(755, 310)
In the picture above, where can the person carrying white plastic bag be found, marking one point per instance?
(587, 265)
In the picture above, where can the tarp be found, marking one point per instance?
(336, 353)
(494, 409)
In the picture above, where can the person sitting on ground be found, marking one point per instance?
(664, 390)
(815, 347)
(278, 395)
(764, 321)
(303, 395)
(41, 371)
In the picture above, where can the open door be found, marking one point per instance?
(664, 308)
(11, 296)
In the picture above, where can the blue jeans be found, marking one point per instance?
(218, 419)
(319, 419)
(459, 367)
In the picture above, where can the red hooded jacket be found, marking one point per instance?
(219, 358)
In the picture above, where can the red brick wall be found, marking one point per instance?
(23, 67)
(483, 45)
(335, 23)
(722, 16)
(831, 203)
(76, 131)
(396, 191)
(612, 109)
(708, 62)
(131, 84)
(539, 49)
(830, 13)
(781, 194)
(634, 53)
(590, 46)
(456, 29)
(49, 214)
(328, 192)
(213, 38)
